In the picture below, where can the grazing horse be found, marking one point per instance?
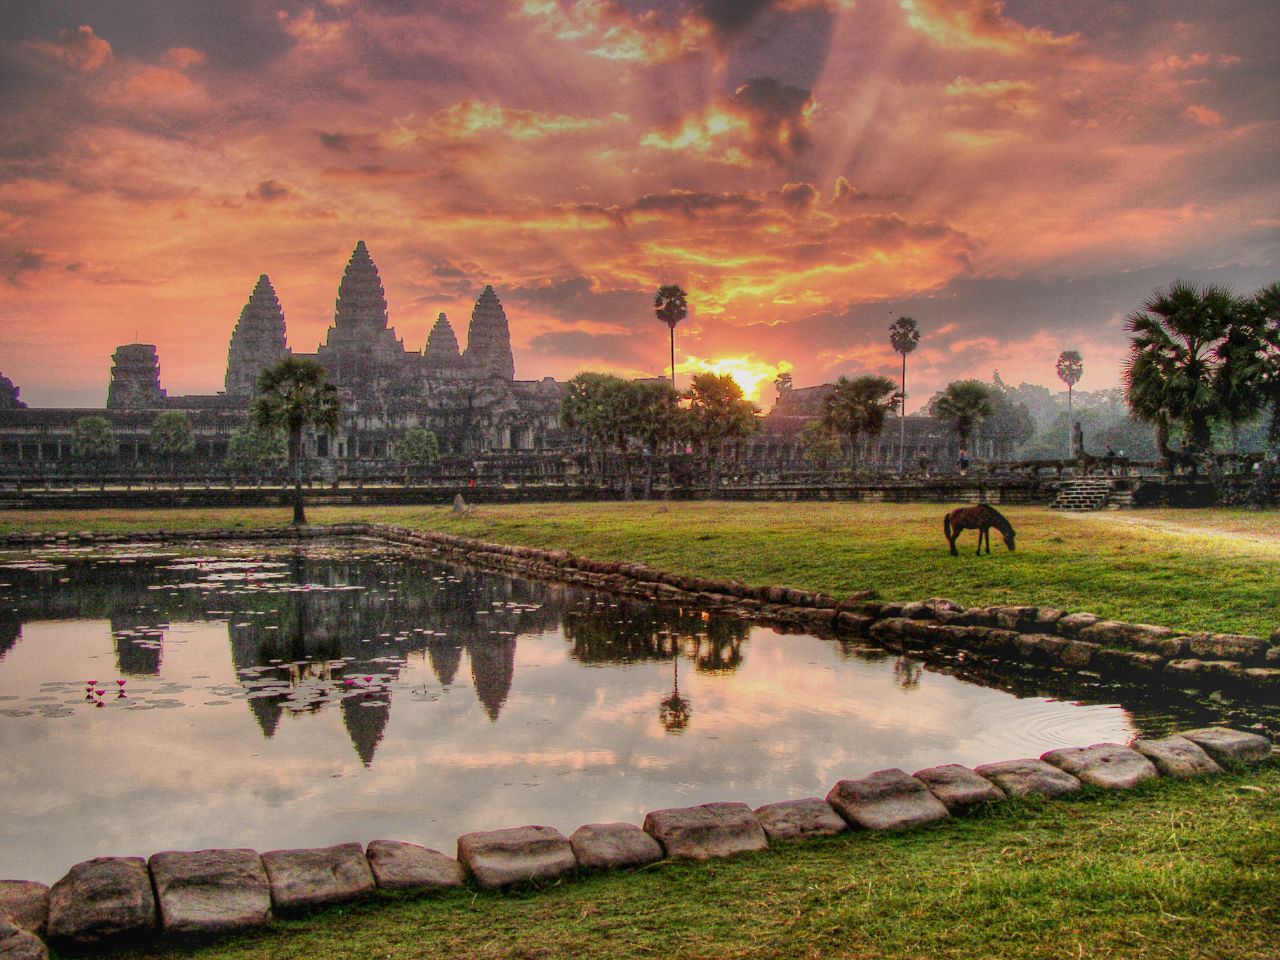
(981, 518)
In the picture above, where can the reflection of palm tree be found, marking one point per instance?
(674, 711)
(907, 673)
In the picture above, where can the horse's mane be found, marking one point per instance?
(1000, 522)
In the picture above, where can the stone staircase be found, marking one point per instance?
(1087, 493)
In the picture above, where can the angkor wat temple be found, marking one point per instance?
(468, 398)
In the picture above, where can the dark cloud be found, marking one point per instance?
(598, 349)
(799, 197)
(693, 205)
(731, 17)
(347, 142)
(581, 298)
(776, 113)
(16, 266)
(269, 191)
(239, 34)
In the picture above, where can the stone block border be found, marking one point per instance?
(107, 900)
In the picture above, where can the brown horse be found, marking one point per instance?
(981, 518)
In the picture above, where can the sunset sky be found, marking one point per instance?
(1016, 176)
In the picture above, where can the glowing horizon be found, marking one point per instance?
(1015, 176)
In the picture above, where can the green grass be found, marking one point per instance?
(1170, 870)
(1194, 570)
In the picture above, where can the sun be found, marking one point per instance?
(752, 375)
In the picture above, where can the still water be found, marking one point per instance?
(285, 697)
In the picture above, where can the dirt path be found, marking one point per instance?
(1264, 538)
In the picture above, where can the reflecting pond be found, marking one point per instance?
(270, 696)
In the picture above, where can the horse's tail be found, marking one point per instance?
(946, 525)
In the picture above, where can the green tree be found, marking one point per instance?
(819, 444)
(654, 421)
(857, 408)
(593, 408)
(904, 336)
(417, 447)
(671, 305)
(291, 396)
(255, 452)
(172, 436)
(1171, 374)
(718, 413)
(93, 440)
(964, 404)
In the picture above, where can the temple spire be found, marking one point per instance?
(361, 299)
(258, 340)
(489, 337)
(442, 344)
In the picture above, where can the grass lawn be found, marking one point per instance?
(1192, 569)
(1173, 869)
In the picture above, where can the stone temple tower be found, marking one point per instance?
(258, 340)
(442, 345)
(489, 337)
(360, 317)
(135, 378)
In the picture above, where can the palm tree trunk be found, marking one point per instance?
(295, 460)
(902, 421)
(1263, 488)
(672, 328)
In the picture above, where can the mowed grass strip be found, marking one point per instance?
(1172, 869)
(1193, 570)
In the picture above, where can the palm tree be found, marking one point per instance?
(671, 305)
(964, 403)
(1174, 358)
(293, 395)
(1249, 379)
(857, 407)
(904, 335)
(1070, 369)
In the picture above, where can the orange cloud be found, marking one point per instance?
(1205, 116)
(80, 48)
(978, 24)
(471, 117)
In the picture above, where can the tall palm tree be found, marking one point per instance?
(904, 335)
(964, 403)
(857, 407)
(1070, 369)
(671, 305)
(1174, 358)
(292, 395)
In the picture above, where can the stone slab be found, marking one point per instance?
(397, 865)
(25, 903)
(1029, 778)
(498, 858)
(1230, 747)
(19, 944)
(886, 800)
(800, 819)
(210, 891)
(611, 846)
(307, 878)
(706, 831)
(102, 899)
(958, 787)
(1107, 765)
(1177, 757)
